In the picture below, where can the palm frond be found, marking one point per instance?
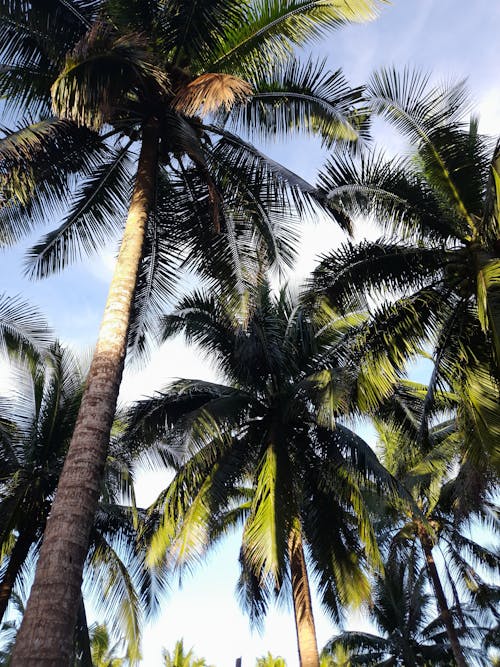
(291, 96)
(100, 74)
(209, 93)
(97, 211)
(38, 166)
(22, 328)
(271, 30)
(265, 535)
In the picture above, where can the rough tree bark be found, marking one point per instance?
(302, 604)
(46, 634)
(441, 599)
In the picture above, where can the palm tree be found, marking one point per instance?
(266, 450)
(104, 653)
(36, 425)
(400, 610)
(270, 660)
(451, 495)
(440, 261)
(180, 658)
(120, 75)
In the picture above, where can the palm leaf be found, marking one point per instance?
(97, 211)
(290, 96)
(22, 327)
(271, 30)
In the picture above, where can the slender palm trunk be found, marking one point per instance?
(302, 605)
(17, 557)
(441, 600)
(46, 634)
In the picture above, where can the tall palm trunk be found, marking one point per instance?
(46, 634)
(441, 599)
(17, 557)
(302, 605)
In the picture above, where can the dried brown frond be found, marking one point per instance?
(211, 92)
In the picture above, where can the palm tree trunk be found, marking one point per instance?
(441, 600)
(17, 557)
(46, 634)
(302, 605)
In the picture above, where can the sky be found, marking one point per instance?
(453, 39)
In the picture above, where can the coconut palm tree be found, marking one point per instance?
(266, 450)
(270, 660)
(180, 658)
(121, 76)
(337, 657)
(440, 261)
(103, 651)
(401, 610)
(452, 497)
(36, 424)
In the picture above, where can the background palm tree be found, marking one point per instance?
(36, 424)
(145, 72)
(180, 658)
(266, 450)
(452, 498)
(104, 652)
(440, 260)
(401, 610)
(270, 660)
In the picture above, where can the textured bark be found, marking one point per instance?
(17, 557)
(302, 604)
(441, 600)
(46, 634)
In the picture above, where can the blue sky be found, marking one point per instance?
(449, 38)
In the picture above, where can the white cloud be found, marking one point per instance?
(489, 112)
(174, 359)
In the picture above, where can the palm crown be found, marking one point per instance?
(441, 262)
(267, 450)
(401, 611)
(116, 67)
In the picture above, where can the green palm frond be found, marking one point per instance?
(22, 327)
(97, 212)
(33, 41)
(375, 267)
(416, 108)
(100, 74)
(267, 526)
(112, 586)
(491, 215)
(393, 192)
(302, 97)
(481, 411)
(488, 300)
(271, 30)
(38, 165)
